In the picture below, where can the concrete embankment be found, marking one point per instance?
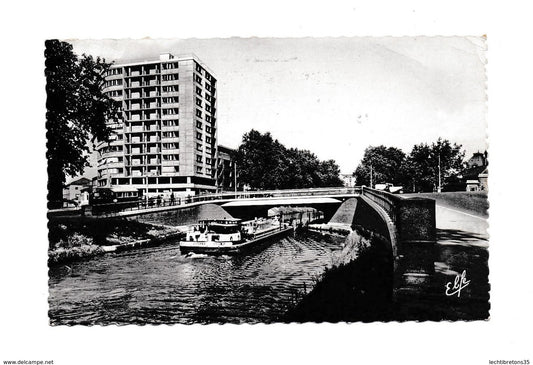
(185, 216)
(342, 220)
(358, 287)
(331, 228)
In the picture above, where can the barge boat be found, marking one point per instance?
(231, 236)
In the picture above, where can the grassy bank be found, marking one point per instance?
(471, 202)
(75, 239)
(357, 288)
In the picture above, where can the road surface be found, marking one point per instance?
(455, 226)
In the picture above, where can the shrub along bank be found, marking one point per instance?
(85, 238)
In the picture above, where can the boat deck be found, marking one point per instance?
(256, 241)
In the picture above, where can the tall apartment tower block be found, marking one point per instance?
(166, 141)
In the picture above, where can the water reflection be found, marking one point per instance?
(159, 285)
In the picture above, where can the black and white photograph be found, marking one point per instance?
(267, 180)
(270, 183)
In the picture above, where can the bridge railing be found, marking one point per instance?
(113, 208)
(385, 200)
(414, 217)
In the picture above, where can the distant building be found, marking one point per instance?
(476, 175)
(478, 159)
(472, 185)
(72, 191)
(225, 169)
(348, 180)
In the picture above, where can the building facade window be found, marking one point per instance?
(171, 100)
(114, 71)
(170, 89)
(170, 65)
(170, 146)
(170, 111)
(170, 134)
(171, 77)
(170, 123)
(114, 82)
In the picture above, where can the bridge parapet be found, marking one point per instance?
(414, 218)
(146, 206)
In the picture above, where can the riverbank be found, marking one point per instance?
(78, 239)
(358, 287)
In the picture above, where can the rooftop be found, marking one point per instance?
(163, 57)
(80, 181)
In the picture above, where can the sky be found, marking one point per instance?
(336, 96)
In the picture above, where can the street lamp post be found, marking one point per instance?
(235, 176)
(371, 180)
(439, 188)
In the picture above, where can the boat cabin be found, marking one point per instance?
(219, 230)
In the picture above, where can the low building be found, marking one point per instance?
(72, 191)
(225, 177)
(472, 185)
(484, 179)
(348, 180)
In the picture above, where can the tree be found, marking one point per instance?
(422, 164)
(77, 111)
(264, 163)
(259, 161)
(385, 164)
(328, 172)
(417, 174)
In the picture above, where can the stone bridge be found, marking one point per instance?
(394, 217)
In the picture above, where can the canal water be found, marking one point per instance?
(159, 285)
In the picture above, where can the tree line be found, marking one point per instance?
(418, 171)
(264, 163)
